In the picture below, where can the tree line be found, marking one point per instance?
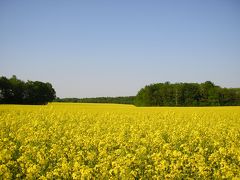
(114, 100)
(187, 94)
(16, 91)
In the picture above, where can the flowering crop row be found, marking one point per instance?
(89, 141)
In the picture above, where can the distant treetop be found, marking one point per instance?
(15, 91)
(187, 94)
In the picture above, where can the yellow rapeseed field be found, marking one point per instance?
(102, 141)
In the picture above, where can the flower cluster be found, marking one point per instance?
(101, 141)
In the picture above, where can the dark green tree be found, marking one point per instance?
(6, 93)
(187, 94)
(15, 91)
(38, 93)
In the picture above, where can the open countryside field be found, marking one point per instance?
(102, 141)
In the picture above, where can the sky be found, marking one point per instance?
(92, 48)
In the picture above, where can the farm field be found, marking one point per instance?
(103, 141)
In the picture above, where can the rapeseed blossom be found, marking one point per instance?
(102, 141)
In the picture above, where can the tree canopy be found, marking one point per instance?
(187, 94)
(15, 91)
(115, 100)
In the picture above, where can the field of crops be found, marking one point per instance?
(100, 141)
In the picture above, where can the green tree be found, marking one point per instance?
(187, 94)
(39, 93)
(15, 91)
(6, 92)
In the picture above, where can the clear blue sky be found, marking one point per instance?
(90, 48)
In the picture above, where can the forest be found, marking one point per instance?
(114, 100)
(187, 94)
(16, 91)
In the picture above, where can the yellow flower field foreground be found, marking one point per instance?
(102, 141)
